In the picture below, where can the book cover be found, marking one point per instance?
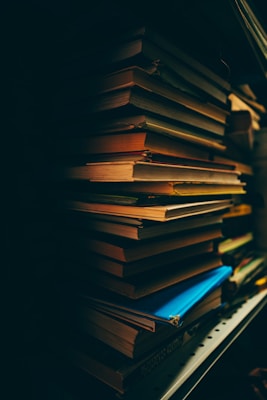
(169, 305)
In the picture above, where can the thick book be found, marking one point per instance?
(241, 130)
(169, 305)
(159, 278)
(155, 123)
(136, 99)
(176, 189)
(131, 171)
(139, 229)
(130, 142)
(132, 340)
(136, 76)
(161, 213)
(113, 368)
(128, 269)
(128, 250)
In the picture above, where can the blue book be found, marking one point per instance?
(170, 305)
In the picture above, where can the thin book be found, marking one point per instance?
(161, 213)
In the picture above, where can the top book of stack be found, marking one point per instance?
(148, 49)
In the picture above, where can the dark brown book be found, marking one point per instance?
(109, 365)
(127, 269)
(132, 340)
(128, 250)
(146, 283)
(139, 229)
(130, 142)
(133, 122)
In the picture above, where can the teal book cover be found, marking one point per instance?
(169, 305)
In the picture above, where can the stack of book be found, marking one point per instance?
(238, 247)
(141, 201)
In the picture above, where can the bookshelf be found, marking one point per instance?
(68, 47)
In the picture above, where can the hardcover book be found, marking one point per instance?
(129, 250)
(86, 260)
(138, 229)
(176, 189)
(157, 279)
(129, 122)
(169, 305)
(132, 340)
(136, 99)
(131, 171)
(162, 213)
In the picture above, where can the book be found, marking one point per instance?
(169, 305)
(136, 99)
(236, 256)
(133, 122)
(127, 269)
(144, 142)
(243, 275)
(175, 189)
(228, 244)
(131, 171)
(145, 47)
(139, 77)
(132, 340)
(246, 168)
(129, 250)
(161, 213)
(111, 367)
(138, 229)
(241, 130)
(157, 279)
(238, 104)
